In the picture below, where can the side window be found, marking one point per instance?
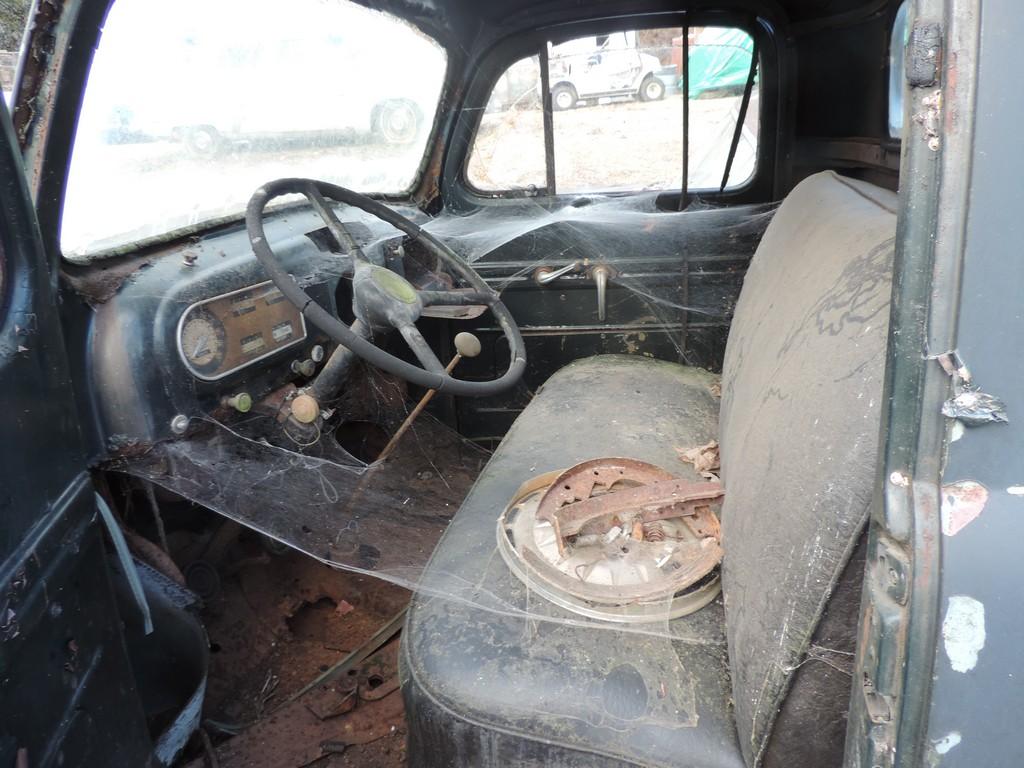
(618, 102)
(508, 153)
(13, 17)
(897, 52)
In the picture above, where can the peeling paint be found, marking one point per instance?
(961, 503)
(963, 632)
(975, 408)
(947, 742)
(899, 479)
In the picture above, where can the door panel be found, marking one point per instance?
(67, 691)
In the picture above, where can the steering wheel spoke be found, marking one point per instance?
(457, 298)
(334, 225)
(420, 348)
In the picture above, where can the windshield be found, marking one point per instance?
(192, 104)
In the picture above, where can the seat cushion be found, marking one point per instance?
(801, 398)
(495, 676)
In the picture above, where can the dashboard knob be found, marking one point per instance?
(242, 402)
(305, 409)
(305, 368)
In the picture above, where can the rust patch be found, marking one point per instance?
(613, 490)
(962, 502)
(615, 538)
(42, 45)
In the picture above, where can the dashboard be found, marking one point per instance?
(224, 334)
(197, 323)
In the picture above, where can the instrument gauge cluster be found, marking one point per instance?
(224, 334)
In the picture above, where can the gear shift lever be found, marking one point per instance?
(466, 345)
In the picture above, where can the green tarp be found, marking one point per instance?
(719, 59)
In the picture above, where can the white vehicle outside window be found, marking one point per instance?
(603, 66)
(192, 104)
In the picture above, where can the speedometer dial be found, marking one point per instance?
(202, 342)
(221, 335)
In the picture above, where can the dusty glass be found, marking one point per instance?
(192, 104)
(618, 114)
(508, 152)
(618, 103)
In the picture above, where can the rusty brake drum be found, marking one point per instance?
(615, 539)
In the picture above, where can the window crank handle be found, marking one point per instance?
(546, 275)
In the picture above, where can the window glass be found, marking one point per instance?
(192, 104)
(897, 50)
(618, 115)
(508, 153)
(13, 17)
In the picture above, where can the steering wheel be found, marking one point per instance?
(381, 298)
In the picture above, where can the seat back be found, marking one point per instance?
(799, 429)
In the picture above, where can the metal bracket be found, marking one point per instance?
(882, 645)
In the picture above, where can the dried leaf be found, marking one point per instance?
(704, 459)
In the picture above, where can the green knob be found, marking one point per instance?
(242, 402)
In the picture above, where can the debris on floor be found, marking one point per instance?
(329, 720)
(704, 458)
(278, 622)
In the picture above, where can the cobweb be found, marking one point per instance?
(385, 519)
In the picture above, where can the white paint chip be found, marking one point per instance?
(947, 742)
(899, 479)
(1016, 490)
(963, 632)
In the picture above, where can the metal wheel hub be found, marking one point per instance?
(616, 539)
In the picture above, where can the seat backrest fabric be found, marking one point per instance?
(799, 430)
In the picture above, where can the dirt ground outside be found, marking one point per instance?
(628, 145)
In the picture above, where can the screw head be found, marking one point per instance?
(179, 424)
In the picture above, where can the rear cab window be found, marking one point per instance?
(190, 105)
(617, 122)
